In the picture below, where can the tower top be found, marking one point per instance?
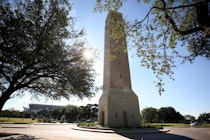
(114, 15)
(116, 71)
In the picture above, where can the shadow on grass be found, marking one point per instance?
(153, 136)
(15, 136)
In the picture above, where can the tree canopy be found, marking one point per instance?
(169, 115)
(149, 114)
(189, 118)
(204, 117)
(167, 28)
(164, 114)
(41, 51)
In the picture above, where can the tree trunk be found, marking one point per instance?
(4, 97)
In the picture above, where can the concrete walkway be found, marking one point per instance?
(72, 132)
(134, 130)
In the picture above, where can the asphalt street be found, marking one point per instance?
(65, 132)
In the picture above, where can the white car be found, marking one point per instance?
(194, 123)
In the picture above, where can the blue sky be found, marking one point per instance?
(188, 94)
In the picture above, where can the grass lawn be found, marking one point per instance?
(202, 126)
(96, 125)
(90, 125)
(206, 125)
(179, 125)
(16, 120)
(143, 125)
(172, 124)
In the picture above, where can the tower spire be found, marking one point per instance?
(116, 66)
(118, 105)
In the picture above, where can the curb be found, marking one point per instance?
(120, 131)
(51, 123)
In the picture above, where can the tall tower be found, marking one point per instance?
(118, 105)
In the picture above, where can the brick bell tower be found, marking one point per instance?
(118, 105)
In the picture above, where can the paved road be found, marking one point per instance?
(194, 133)
(64, 132)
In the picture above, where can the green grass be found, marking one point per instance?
(96, 125)
(206, 125)
(178, 125)
(16, 120)
(151, 125)
(90, 125)
(147, 125)
(202, 126)
(172, 124)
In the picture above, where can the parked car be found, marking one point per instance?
(194, 123)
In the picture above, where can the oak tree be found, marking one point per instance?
(169, 115)
(168, 28)
(41, 51)
(149, 115)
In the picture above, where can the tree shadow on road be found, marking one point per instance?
(154, 136)
(15, 136)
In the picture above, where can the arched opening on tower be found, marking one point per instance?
(102, 118)
(125, 119)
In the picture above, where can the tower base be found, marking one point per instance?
(119, 108)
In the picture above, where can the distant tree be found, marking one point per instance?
(89, 111)
(34, 115)
(44, 115)
(56, 113)
(167, 28)
(41, 51)
(169, 115)
(71, 113)
(9, 113)
(4, 113)
(149, 115)
(85, 113)
(204, 117)
(61, 114)
(189, 118)
(15, 113)
(25, 114)
(94, 110)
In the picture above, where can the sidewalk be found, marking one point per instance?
(136, 130)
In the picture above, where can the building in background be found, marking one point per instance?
(39, 107)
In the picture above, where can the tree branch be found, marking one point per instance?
(177, 7)
(36, 88)
(173, 24)
(26, 84)
(6, 76)
(171, 21)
